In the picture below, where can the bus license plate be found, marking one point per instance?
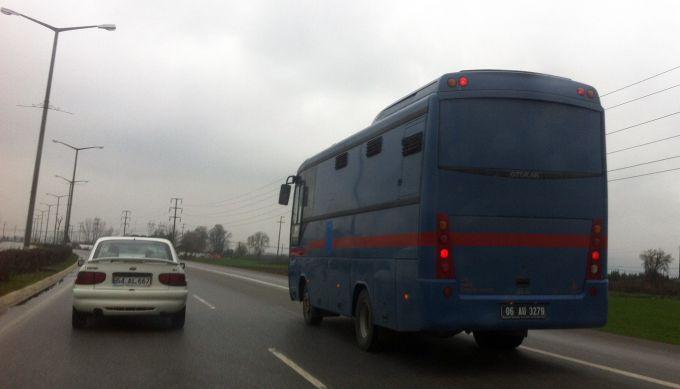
(524, 311)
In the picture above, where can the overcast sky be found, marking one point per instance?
(208, 101)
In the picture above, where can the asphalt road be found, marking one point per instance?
(243, 331)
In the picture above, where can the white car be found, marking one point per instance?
(130, 276)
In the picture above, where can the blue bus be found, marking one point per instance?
(477, 203)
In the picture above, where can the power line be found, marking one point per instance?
(642, 97)
(643, 144)
(221, 202)
(646, 174)
(644, 163)
(638, 82)
(639, 124)
(174, 216)
(229, 213)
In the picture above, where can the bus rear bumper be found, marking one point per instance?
(483, 312)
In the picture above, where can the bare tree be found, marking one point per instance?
(656, 263)
(218, 238)
(257, 242)
(94, 229)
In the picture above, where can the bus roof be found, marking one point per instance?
(480, 80)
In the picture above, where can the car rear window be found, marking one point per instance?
(126, 249)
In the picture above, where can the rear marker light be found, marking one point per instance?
(448, 291)
(463, 81)
(594, 267)
(593, 291)
(581, 91)
(90, 278)
(444, 261)
(406, 296)
(172, 279)
(452, 82)
(591, 93)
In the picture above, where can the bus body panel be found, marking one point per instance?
(516, 238)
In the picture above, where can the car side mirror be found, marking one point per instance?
(284, 194)
(81, 262)
(184, 265)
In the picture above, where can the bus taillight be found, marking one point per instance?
(445, 267)
(594, 269)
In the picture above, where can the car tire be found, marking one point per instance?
(366, 332)
(499, 340)
(177, 319)
(312, 315)
(78, 320)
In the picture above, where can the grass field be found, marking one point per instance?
(248, 263)
(22, 280)
(642, 316)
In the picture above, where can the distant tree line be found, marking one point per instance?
(655, 280)
(217, 241)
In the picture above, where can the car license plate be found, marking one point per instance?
(524, 311)
(130, 280)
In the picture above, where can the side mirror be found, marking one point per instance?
(184, 265)
(284, 194)
(81, 262)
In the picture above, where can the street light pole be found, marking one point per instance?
(73, 180)
(56, 216)
(46, 104)
(47, 223)
(71, 183)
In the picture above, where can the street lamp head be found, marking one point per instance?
(7, 11)
(108, 27)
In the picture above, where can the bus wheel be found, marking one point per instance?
(499, 340)
(367, 333)
(312, 315)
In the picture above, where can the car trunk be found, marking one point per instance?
(132, 273)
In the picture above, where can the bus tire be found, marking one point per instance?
(366, 332)
(499, 340)
(312, 316)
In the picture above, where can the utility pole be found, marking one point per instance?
(182, 236)
(3, 229)
(14, 238)
(173, 209)
(125, 216)
(278, 243)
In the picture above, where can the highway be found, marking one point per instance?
(243, 331)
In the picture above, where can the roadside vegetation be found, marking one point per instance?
(20, 268)
(272, 264)
(644, 316)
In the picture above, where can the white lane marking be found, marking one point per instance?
(204, 302)
(65, 286)
(605, 368)
(240, 277)
(312, 380)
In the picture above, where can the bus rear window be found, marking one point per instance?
(520, 135)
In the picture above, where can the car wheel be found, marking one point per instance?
(313, 316)
(78, 319)
(177, 319)
(366, 332)
(499, 340)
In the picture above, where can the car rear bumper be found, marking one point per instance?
(435, 311)
(129, 302)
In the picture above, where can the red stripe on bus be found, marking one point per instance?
(461, 239)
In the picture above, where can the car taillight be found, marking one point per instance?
(594, 270)
(172, 279)
(90, 277)
(444, 254)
